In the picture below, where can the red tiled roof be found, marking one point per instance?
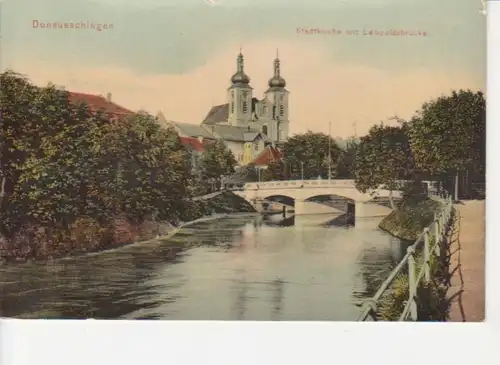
(193, 143)
(269, 155)
(99, 103)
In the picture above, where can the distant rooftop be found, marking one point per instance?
(235, 134)
(191, 130)
(98, 103)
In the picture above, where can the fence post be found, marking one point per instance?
(412, 284)
(448, 212)
(441, 225)
(437, 234)
(437, 228)
(427, 256)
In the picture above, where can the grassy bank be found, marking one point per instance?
(407, 223)
(88, 235)
(432, 302)
(410, 218)
(224, 202)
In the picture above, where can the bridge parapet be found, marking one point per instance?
(294, 184)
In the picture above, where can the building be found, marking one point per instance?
(99, 103)
(269, 155)
(195, 147)
(246, 124)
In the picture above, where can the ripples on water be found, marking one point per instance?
(238, 268)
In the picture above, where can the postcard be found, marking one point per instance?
(243, 160)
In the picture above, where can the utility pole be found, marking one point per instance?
(329, 150)
(302, 170)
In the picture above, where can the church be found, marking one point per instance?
(251, 128)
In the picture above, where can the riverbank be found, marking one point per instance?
(467, 263)
(410, 218)
(407, 223)
(86, 236)
(209, 262)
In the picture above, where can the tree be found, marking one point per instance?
(250, 173)
(54, 183)
(151, 170)
(308, 153)
(59, 162)
(276, 170)
(31, 116)
(217, 161)
(18, 126)
(347, 159)
(383, 157)
(448, 134)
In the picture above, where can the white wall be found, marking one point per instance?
(236, 148)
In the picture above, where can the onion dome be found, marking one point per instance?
(277, 80)
(240, 77)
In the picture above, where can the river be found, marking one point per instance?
(236, 268)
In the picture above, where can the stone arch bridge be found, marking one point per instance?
(318, 196)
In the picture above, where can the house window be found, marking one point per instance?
(232, 102)
(264, 129)
(244, 96)
(282, 110)
(256, 147)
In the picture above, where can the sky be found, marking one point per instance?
(177, 56)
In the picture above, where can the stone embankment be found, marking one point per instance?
(87, 235)
(410, 218)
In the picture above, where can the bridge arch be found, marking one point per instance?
(338, 203)
(324, 197)
(279, 198)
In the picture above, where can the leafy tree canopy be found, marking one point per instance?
(308, 152)
(60, 162)
(383, 157)
(217, 161)
(346, 165)
(276, 170)
(448, 134)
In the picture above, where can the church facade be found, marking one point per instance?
(248, 125)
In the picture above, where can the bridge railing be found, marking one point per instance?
(292, 184)
(437, 230)
(297, 183)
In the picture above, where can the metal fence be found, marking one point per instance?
(437, 230)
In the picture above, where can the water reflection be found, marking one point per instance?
(239, 268)
(278, 287)
(278, 220)
(375, 263)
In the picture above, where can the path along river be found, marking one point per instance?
(236, 268)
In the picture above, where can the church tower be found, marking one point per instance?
(278, 96)
(240, 96)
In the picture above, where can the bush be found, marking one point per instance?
(414, 191)
(432, 302)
